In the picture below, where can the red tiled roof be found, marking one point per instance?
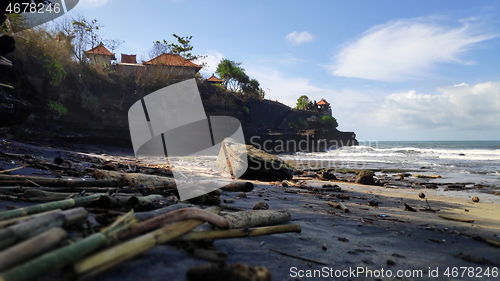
(322, 102)
(171, 60)
(100, 50)
(214, 79)
(129, 58)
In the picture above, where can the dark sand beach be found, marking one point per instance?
(385, 238)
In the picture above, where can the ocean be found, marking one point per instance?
(454, 161)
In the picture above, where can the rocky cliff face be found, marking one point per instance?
(92, 106)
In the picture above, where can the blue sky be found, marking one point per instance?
(392, 70)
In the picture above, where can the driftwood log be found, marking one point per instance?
(253, 218)
(261, 165)
(136, 180)
(226, 185)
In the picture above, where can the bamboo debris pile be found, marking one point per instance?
(93, 217)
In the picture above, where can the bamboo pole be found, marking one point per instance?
(69, 254)
(11, 170)
(29, 228)
(135, 200)
(31, 248)
(26, 218)
(63, 204)
(253, 218)
(40, 193)
(6, 180)
(340, 205)
(142, 216)
(177, 215)
(236, 233)
(115, 255)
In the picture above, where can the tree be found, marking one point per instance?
(113, 44)
(302, 102)
(232, 73)
(159, 48)
(329, 121)
(184, 48)
(253, 89)
(86, 35)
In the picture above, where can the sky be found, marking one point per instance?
(391, 70)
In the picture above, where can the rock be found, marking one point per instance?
(421, 195)
(261, 206)
(228, 200)
(58, 160)
(323, 247)
(110, 167)
(475, 199)
(365, 177)
(242, 195)
(390, 262)
(67, 164)
(373, 202)
(261, 165)
(13, 111)
(284, 183)
(454, 187)
(7, 45)
(325, 175)
(225, 271)
(430, 185)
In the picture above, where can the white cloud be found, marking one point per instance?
(405, 49)
(296, 38)
(94, 3)
(288, 89)
(458, 107)
(212, 60)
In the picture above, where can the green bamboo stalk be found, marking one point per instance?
(46, 182)
(69, 254)
(177, 215)
(63, 204)
(29, 228)
(20, 219)
(115, 255)
(31, 248)
(40, 193)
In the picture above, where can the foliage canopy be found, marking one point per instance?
(302, 102)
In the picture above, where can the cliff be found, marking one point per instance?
(77, 102)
